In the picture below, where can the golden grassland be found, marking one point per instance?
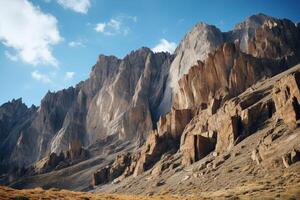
(38, 194)
(250, 192)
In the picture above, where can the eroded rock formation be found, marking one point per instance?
(286, 96)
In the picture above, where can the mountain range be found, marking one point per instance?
(224, 106)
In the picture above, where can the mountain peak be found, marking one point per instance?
(254, 21)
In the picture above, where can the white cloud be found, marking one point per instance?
(80, 6)
(11, 56)
(100, 27)
(165, 46)
(115, 25)
(29, 31)
(69, 75)
(41, 77)
(76, 44)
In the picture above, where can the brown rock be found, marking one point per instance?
(228, 133)
(255, 156)
(165, 138)
(286, 96)
(101, 176)
(270, 42)
(195, 147)
(113, 171)
(119, 165)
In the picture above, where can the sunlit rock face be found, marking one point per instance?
(127, 103)
(259, 35)
(120, 98)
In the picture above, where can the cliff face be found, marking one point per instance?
(14, 118)
(224, 74)
(120, 98)
(259, 35)
(272, 47)
(196, 45)
(128, 103)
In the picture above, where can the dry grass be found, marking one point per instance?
(38, 194)
(251, 191)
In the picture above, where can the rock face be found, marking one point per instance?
(196, 45)
(14, 115)
(259, 35)
(120, 98)
(286, 95)
(239, 117)
(110, 172)
(128, 100)
(273, 46)
(164, 139)
(246, 134)
(225, 73)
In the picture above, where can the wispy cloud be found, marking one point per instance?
(44, 78)
(29, 31)
(76, 44)
(115, 25)
(69, 75)
(164, 46)
(100, 27)
(10, 56)
(80, 6)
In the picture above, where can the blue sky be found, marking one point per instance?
(52, 44)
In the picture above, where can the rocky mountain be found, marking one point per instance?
(150, 118)
(249, 35)
(119, 100)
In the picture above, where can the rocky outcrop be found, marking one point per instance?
(164, 139)
(110, 172)
(286, 96)
(75, 154)
(241, 116)
(275, 39)
(225, 73)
